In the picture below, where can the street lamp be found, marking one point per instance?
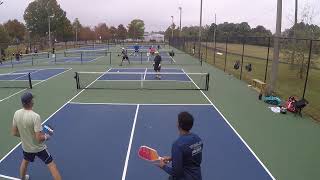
(172, 27)
(180, 9)
(49, 22)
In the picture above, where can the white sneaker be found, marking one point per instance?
(26, 177)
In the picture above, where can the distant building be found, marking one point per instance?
(153, 37)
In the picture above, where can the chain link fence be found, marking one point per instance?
(249, 58)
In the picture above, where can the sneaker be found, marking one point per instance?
(26, 177)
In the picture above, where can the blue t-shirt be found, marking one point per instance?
(186, 154)
(136, 47)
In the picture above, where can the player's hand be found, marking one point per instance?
(161, 163)
(167, 159)
(47, 137)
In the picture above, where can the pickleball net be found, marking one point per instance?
(86, 53)
(15, 80)
(142, 80)
(32, 56)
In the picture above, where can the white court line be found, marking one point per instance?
(138, 80)
(234, 130)
(149, 68)
(173, 59)
(130, 144)
(9, 177)
(125, 104)
(145, 74)
(34, 85)
(52, 115)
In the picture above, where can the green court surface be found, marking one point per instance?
(287, 145)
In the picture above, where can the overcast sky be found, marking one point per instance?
(157, 14)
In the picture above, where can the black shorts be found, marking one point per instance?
(136, 51)
(157, 68)
(125, 57)
(44, 155)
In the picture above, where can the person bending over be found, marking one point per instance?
(124, 54)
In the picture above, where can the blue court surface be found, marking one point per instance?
(74, 59)
(100, 141)
(142, 74)
(39, 74)
(36, 74)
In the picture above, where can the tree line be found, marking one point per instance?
(38, 14)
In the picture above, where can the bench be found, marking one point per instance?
(259, 85)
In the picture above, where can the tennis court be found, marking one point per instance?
(101, 122)
(20, 80)
(114, 132)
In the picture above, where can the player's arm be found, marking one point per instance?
(177, 163)
(39, 135)
(14, 129)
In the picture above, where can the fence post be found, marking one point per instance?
(307, 75)
(225, 56)
(207, 49)
(214, 49)
(267, 63)
(242, 56)
(12, 61)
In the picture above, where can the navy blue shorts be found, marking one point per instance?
(44, 155)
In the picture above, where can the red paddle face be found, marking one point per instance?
(148, 154)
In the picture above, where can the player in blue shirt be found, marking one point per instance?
(186, 152)
(136, 49)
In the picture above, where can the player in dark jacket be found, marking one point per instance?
(157, 64)
(186, 152)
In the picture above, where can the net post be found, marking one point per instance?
(11, 62)
(48, 55)
(141, 57)
(207, 81)
(30, 82)
(32, 60)
(55, 59)
(77, 80)
(81, 57)
(110, 54)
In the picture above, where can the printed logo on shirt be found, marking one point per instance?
(196, 148)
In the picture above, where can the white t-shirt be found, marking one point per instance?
(28, 123)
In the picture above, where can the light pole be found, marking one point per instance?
(172, 27)
(276, 53)
(215, 30)
(200, 26)
(49, 22)
(180, 9)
